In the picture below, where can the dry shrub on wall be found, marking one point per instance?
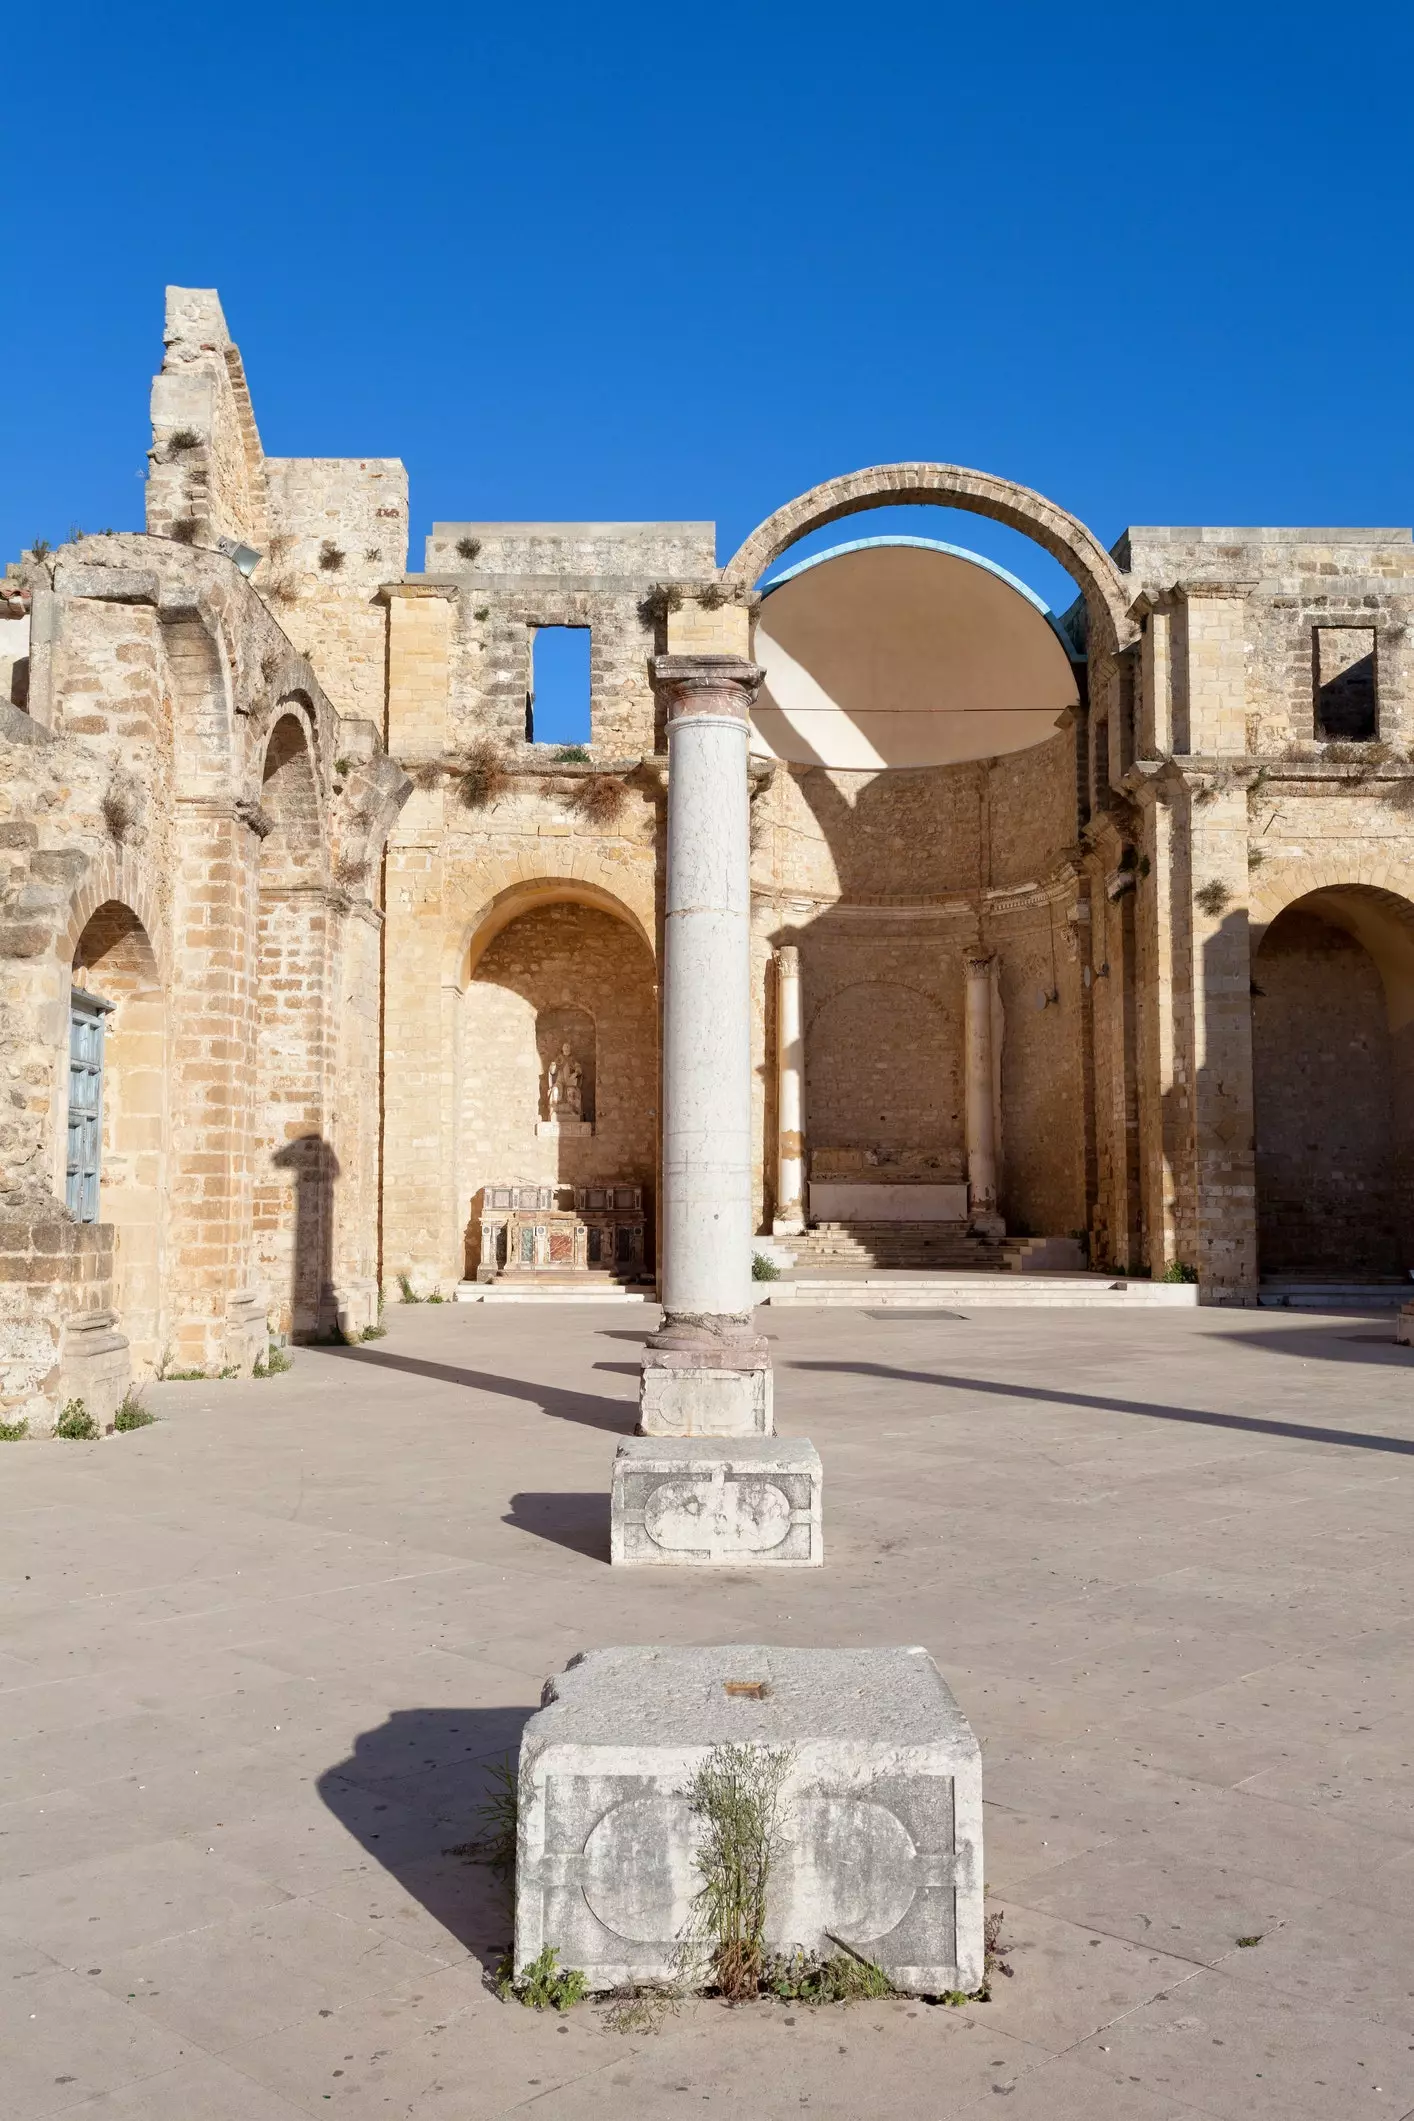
(601, 800)
(485, 776)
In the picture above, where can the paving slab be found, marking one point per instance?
(1161, 1559)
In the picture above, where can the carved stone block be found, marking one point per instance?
(724, 1390)
(717, 1502)
(881, 1825)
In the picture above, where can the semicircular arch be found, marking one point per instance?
(1378, 918)
(468, 942)
(117, 878)
(1054, 529)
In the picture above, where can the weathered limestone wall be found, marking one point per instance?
(1241, 810)
(205, 467)
(338, 531)
(515, 577)
(132, 828)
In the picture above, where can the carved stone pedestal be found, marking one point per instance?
(880, 1846)
(707, 1502)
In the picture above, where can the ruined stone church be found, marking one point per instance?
(1078, 940)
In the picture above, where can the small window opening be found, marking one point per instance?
(86, 1014)
(1347, 703)
(557, 710)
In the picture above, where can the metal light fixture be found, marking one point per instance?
(246, 557)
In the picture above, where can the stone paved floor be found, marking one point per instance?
(252, 1657)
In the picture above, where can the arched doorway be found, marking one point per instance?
(1333, 1069)
(295, 1165)
(565, 971)
(117, 1146)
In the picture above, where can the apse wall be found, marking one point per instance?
(885, 880)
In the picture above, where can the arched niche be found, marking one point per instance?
(559, 966)
(115, 969)
(1333, 1085)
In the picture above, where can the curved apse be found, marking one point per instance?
(905, 652)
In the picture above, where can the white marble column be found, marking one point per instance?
(706, 1371)
(981, 1116)
(789, 1218)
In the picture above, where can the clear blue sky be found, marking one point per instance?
(621, 261)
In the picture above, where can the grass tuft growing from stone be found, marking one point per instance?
(497, 1815)
(764, 1268)
(14, 1431)
(133, 1413)
(277, 1361)
(845, 1977)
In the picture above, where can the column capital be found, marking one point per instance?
(706, 684)
(978, 961)
(788, 957)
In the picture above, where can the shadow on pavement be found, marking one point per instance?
(587, 1407)
(410, 1793)
(579, 1522)
(1251, 1424)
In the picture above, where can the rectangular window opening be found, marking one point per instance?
(1347, 701)
(558, 709)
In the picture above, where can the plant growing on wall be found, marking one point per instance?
(659, 602)
(600, 801)
(485, 776)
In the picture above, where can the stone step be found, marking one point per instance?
(548, 1292)
(1334, 1295)
(983, 1290)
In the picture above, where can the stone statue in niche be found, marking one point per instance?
(566, 1085)
(566, 1044)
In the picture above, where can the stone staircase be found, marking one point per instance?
(934, 1247)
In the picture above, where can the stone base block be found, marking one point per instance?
(247, 1339)
(96, 1363)
(717, 1502)
(880, 1830)
(713, 1391)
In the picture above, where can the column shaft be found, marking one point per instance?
(981, 1121)
(790, 1097)
(706, 1372)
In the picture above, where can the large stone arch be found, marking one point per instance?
(1105, 587)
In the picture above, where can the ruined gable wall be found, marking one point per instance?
(205, 465)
